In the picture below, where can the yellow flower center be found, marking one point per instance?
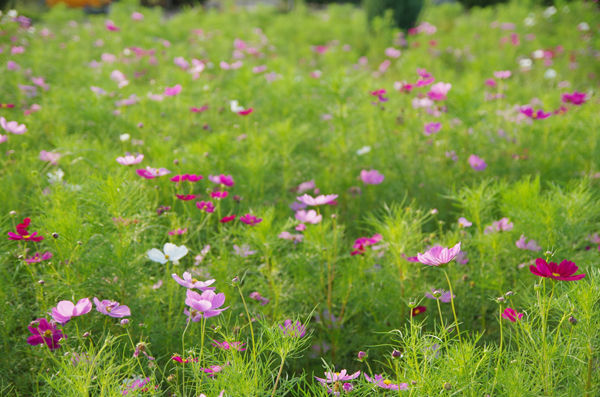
(387, 382)
(417, 311)
(108, 309)
(27, 236)
(556, 274)
(194, 280)
(166, 256)
(47, 333)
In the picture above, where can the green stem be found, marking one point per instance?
(278, 376)
(452, 303)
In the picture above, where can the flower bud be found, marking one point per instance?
(55, 235)
(396, 353)
(447, 386)
(572, 320)
(509, 293)
(124, 322)
(362, 355)
(41, 282)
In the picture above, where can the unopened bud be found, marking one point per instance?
(55, 235)
(447, 386)
(572, 320)
(361, 355)
(396, 353)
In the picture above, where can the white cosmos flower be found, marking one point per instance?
(171, 253)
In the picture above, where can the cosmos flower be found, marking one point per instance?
(238, 346)
(502, 74)
(112, 308)
(189, 282)
(65, 310)
(250, 219)
(319, 200)
(221, 179)
(371, 177)
(219, 194)
(36, 258)
(205, 206)
(530, 245)
(289, 329)
(477, 163)
(362, 242)
(172, 91)
(503, 225)
(171, 253)
(296, 238)
(130, 159)
(186, 177)
(335, 377)
(380, 381)
(432, 128)
(417, 310)
(576, 98)
(464, 222)
(438, 91)
(534, 114)
(45, 332)
(438, 255)
(12, 126)
(203, 305)
(443, 296)
(309, 216)
(151, 173)
(51, 157)
(563, 271)
(186, 197)
(511, 315)
(23, 234)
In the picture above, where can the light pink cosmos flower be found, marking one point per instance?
(432, 128)
(36, 258)
(392, 52)
(151, 173)
(221, 179)
(3, 138)
(438, 91)
(110, 26)
(137, 16)
(65, 310)
(438, 255)
(12, 126)
(464, 222)
(296, 238)
(112, 308)
(243, 251)
(32, 109)
(530, 245)
(181, 62)
(309, 216)
(189, 282)
(304, 186)
(12, 65)
(51, 157)
(118, 77)
(130, 159)
(203, 305)
(259, 69)
(371, 177)
(39, 81)
(502, 74)
(334, 377)
(380, 381)
(319, 200)
(503, 225)
(172, 91)
(477, 163)
(178, 232)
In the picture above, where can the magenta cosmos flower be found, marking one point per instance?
(438, 91)
(44, 332)
(432, 128)
(186, 177)
(511, 315)
(534, 114)
(130, 159)
(477, 163)
(289, 329)
(12, 126)
(23, 234)
(189, 282)
(112, 308)
(203, 305)
(37, 257)
(565, 271)
(151, 173)
(65, 310)
(172, 91)
(362, 242)
(438, 255)
(319, 200)
(576, 98)
(380, 381)
(372, 177)
(226, 180)
(250, 219)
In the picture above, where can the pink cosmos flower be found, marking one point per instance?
(186, 177)
(243, 251)
(432, 128)
(438, 255)
(36, 258)
(172, 91)
(186, 197)
(490, 82)
(443, 296)
(205, 206)
(564, 271)
(12, 65)
(477, 163)
(65, 310)
(39, 81)
(51, 157)
(371, 177)
(289, 329)
(502, 74)
(203, 305)
(251, 220)
(576, 98)
(511, 315)
(151, 173)
(319, 200)
(334, 377)
(112, 308)
(137, 16)
(380, 381)
(304, 186)
(221, 179)
(130, 159)
(178, 232)
(503, 225)
(259, 69)
(380, 95)
(23, 234)
(189, 282)
(227, 219)
(438, 91)
(181, 62)
(258, 297)
(530, 245)
(198, 110)
(362, 242)
(45, 332)
(464, 222)
(239, 346)
(131, 100)
(296, 238)
(392, 52)
(219, 194)
(118, 77)
(309, 216)
(534, 114)
(12, 126)
(110, 25)
(245, 112)
(3, 138)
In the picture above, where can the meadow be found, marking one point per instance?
(250, 202)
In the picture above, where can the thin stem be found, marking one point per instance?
(452, 303)
(499, 352)
(250, 324)
(183, 352)
(278, 375)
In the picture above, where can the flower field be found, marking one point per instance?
(251, 202)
